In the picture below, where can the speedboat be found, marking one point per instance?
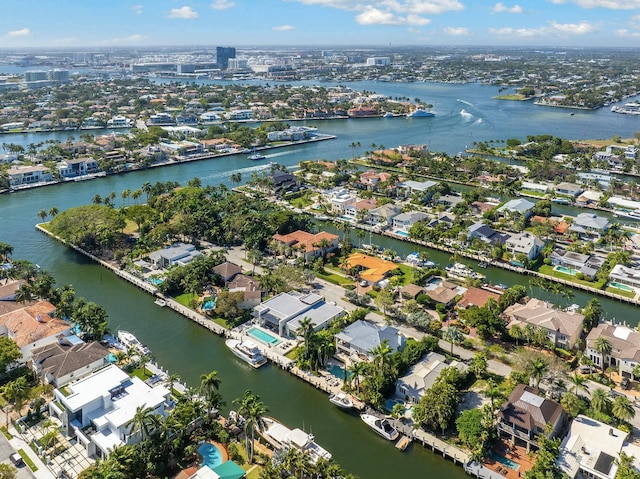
(341, 400)
(381, 425)
(248, 351)
(129, 341)
(281, 437)
(256, 156)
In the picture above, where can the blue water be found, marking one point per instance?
(112, 358)
(338, 371)
(155, 281)
(211, 455)
(434, 281)
(209, 304)
(621, 286)
(503, 460)
(262, 336)
(404, 234)
(564, 270)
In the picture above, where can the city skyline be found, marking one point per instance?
(124, 23)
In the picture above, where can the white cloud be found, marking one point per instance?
(519, 32)
(456, 31)
(610, 4)
(130, 40)
(183, 12)
(635, 18)
(502, 8)
(391, 12)
(137, 9)
(623, 32)
(283, 28)
(222, 4)
(581, 28)
(25, 32)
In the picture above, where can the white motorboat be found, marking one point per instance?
(380, 425)
(160, 302)
(129, 341)
(341, 400)
(248, 351)
(281, 437)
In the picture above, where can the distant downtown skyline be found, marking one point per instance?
(117, 23)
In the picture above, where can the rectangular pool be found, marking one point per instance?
(514, 466)
(263, 336)
(564, 270)
(402, 233)
(338, 371)
(622, 286)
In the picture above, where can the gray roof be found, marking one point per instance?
(417, 185)
(412, 216)
(528, 410)
(59, 360)
(590, 221)
(319, 314)
(365, 335)
(518, 205)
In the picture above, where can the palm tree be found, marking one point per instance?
(578, 382)
(357, 369)
(381, 355)
(306, 331)
(42, 214)
(493, 393)
(537, 370)
(144, 421)
(452, 335)
(603, 346)
(622, 409)
(236, 178)
(516, 333)
(253, 410)
(53, 211)
(209, 385)
(600, 402)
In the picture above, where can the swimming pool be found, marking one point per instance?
(514, 466)
(402, 233)
(622, 286)
(208, 304)
(155, 281)
(211, 455)
(564, 270)
(338, 371)
(263, 336)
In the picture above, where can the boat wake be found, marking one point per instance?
(465, 102)
(479, 121)
(466, 115)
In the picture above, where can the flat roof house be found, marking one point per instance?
(286, 311)
(359, 338)
(97, 410)
(176, 254)
(625, 275)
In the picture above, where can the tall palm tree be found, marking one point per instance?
(578, 382)
(493, 393)
(209, 385)
(600, 402)
(603, 346)
(381, 355)
(622, 409)
(253, 410)
(144, 422)
(42, 214)
(452, 335)
(53, 211)
(537, 370)
(516, 333)
(306, 331)
(357, 369)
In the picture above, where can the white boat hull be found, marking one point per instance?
(249, 356)
(380, 426)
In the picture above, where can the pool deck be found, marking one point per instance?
(513, 453)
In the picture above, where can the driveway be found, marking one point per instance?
(5, 451)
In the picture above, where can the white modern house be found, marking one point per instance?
(405, 221)
(285, 312)
(625, 275)
(176, 254)
(524, 243)
(26, 175)
(98, 409)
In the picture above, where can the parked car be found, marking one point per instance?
(625, 383)
(16, 459)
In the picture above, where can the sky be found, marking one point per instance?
(246, 23)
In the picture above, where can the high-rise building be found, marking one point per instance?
(38, 75)
(223, 54)
(238, 64)
(60, 76)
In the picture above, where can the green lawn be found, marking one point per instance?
(302, 201)
(27, 460)
(334, 278)
(621, 292)
(143, 375)
(548, 270)
(185, 299)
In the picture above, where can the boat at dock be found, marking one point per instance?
(403, 443)
(381, 425)
(342, 400)
(129, 341)
(160, 302)
(459, 270)
(256, 156)
(281, 437)
(248, 351)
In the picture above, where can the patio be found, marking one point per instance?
(515, 456)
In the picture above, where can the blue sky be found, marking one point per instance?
(97, 23)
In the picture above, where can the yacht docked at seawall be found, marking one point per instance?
(281, 437)
(129, 341)
(248, 351)
(627, 109)
(420, 113)
(381, 425)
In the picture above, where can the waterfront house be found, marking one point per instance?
(285, 312)
(409, 187)
(449, 201)
(282, 182)
(33, 325)
(382, 215)
(535, 187)
(486, 234)
(568, 189)
(421, 376)
(371, 269)
(27, 175)
(359, 338)
(625, 347)
(370, 179)
(161, 119)
(308, 245)
(339, 199)
(249, 287)
(518, 207)
(97, 410)
(68, 359)
(589, 226)
(227, 271)
(444, 292)
(625, 275)
(404, 221)
(175, 254)
(588, 265)
(590, 449)
(77, 167)
(563, 327)
(526, 415)
(524, 243)
(360, 209)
